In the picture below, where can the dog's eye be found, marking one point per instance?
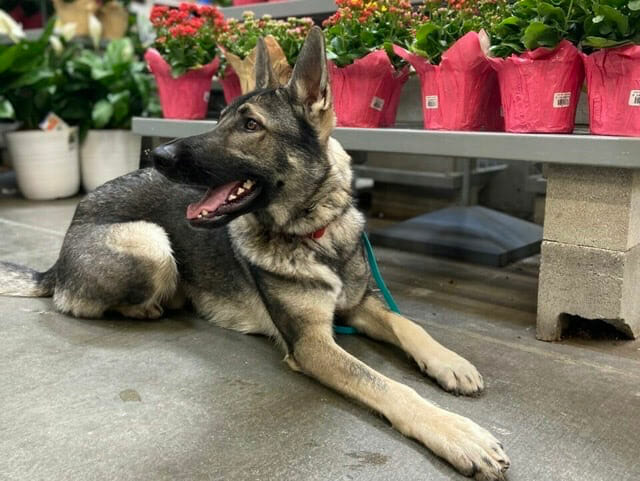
(251, 125)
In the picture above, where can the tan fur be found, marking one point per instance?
(71, 303)
(150, 242)
(452, 372)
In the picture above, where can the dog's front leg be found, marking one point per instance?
(468, 447)
(451, 371)
(303, 314)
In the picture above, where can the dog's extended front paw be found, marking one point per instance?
(471, 449)
(453, 372)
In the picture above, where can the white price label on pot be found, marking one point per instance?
(377, 103)
(431, 101)
(634, 98)
(205, 97)
(561, 100)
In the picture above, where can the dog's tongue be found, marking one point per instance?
(213, 199)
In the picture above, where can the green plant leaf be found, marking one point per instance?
(6, 109)
(101, 113)
(634, 5)
(537, 34)
(120, 103)
(549, 12)
(7, 56)
(600, 42)
(31, 78)
(614, 16)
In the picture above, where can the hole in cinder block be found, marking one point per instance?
(594, 329)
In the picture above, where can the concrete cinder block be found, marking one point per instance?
(593, 206)
(588, 282)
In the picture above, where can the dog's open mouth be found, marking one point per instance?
(222, 201)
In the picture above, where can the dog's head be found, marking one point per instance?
(269, 148)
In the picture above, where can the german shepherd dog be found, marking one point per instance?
(272, 247)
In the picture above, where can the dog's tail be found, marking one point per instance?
(21, 281)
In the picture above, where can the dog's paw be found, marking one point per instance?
(453, 373)
(471, 449)
(143, 311)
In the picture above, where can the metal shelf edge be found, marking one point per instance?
(563, 149)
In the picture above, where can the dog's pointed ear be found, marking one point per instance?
(309, 82)
(265, 78)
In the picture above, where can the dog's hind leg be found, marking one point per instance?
(451, 371)
(126, 267)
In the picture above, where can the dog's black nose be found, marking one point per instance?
(164, 156)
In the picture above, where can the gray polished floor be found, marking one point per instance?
(179, 399)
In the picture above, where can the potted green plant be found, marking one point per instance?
(459, 88)
(539, 67)
(284, 39)
(612, 35)
(115, 87)
(366, 75)
(183, 57)
(32, 86)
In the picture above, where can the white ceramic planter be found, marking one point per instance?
(46, 163)
(107, 154)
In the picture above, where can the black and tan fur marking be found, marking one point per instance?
(255, 268)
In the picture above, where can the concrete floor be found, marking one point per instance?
(179, 399)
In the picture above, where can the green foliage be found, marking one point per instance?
(359, 28)
(240, 38)
(112, 86)
(530, 24)
(444, 24)
(30, 79)
(75, 83)
(611, 23)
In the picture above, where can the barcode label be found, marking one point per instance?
(377, 103)
(205, 97)
(634, 98)
(561, 100)
(431, 101)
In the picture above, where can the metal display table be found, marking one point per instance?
(576, 149)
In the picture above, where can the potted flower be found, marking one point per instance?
(366, 75)
(183, 57)
(612, 33)
(539, 68)
(114, 87)
(459, 88)
(283, 38)
(31, 89)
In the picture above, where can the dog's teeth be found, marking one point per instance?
(199, 216)
(204, 212)
(240, 190)
(248, 184)
(232, 197)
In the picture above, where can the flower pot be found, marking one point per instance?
(46, 162)
(613, 84)
(363, 90)
(462, 92)
(540, 89)
(107, 154)
(187, 96)
(230, 84)
(390, 110)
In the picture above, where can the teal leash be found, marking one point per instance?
(339, 329)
